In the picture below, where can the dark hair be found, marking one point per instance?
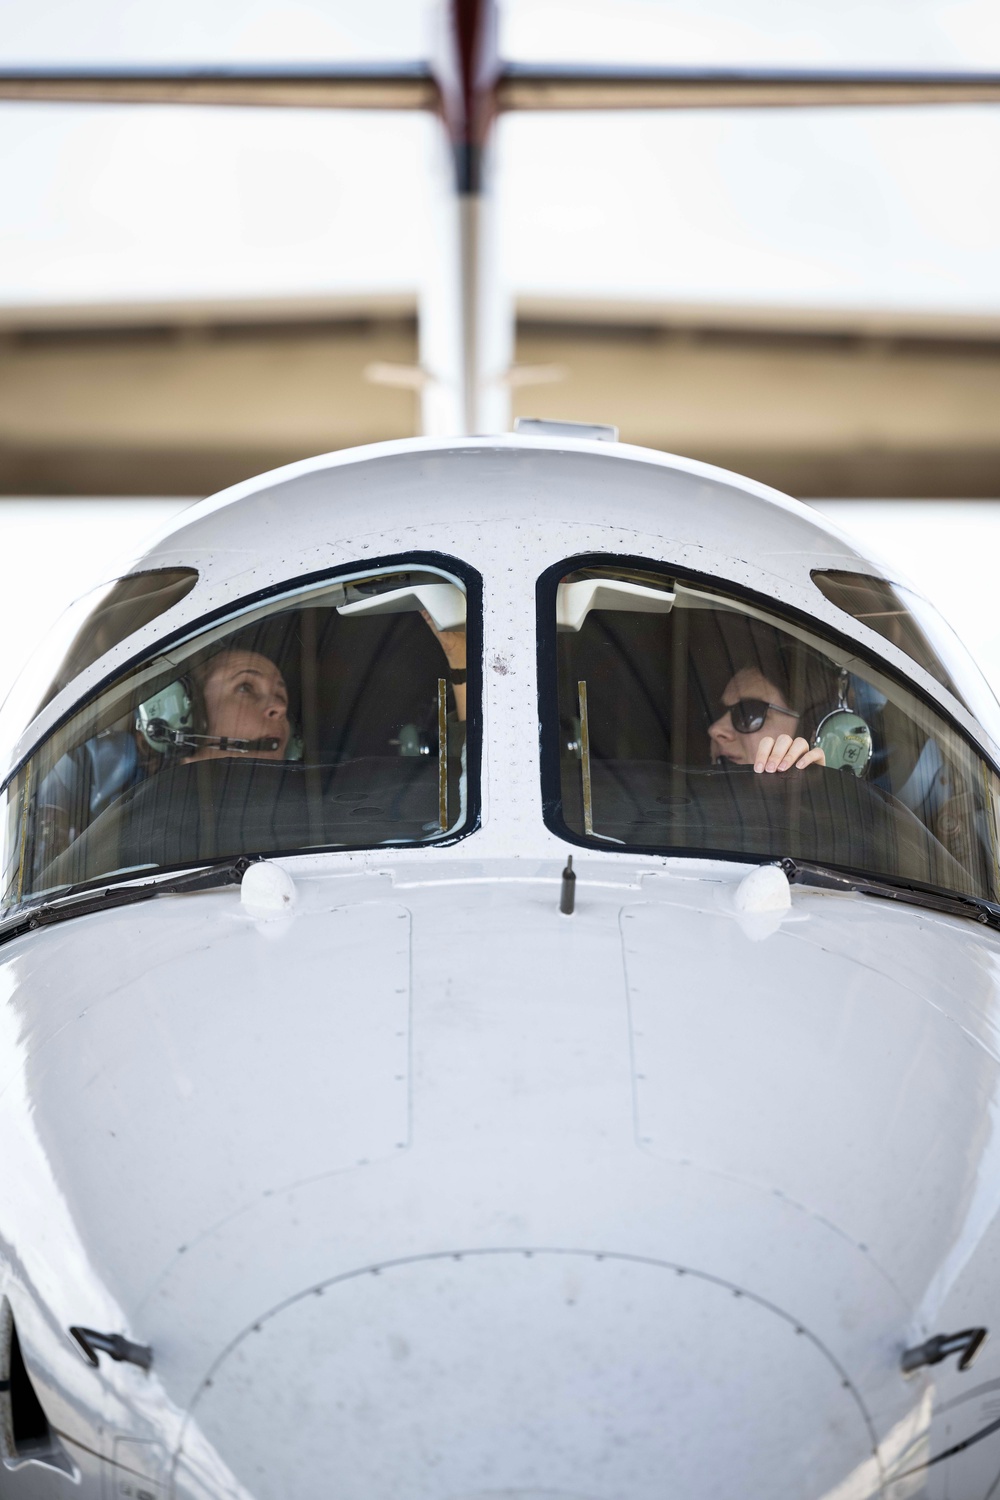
(806, 680)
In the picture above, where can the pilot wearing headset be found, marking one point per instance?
(245, 704)
(757, 727)
(234, 704)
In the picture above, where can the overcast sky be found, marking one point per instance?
(929, 33)
(867, 208)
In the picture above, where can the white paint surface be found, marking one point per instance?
(502, 1133)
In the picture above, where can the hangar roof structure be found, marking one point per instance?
(139, 395)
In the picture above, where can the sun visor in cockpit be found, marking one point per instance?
(576, 600)
(443, 602)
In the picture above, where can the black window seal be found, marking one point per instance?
(548, 697)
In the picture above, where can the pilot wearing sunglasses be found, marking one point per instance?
(756, 726)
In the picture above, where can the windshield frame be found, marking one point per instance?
(472, 583)
(725, 589)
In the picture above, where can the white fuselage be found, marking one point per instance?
(420, 1188)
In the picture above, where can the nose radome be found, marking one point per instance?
(528, 1374)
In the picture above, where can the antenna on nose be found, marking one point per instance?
(567, 896)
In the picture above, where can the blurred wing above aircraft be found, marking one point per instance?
(346, 86)
(517, 86)
(466, 326)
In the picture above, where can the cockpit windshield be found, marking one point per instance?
(332, 716)
(671, 693)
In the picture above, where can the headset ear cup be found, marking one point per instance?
(166, 713)
(196, 718)
(846, 741)
(296, 747)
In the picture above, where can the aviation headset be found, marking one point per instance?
(804, 676)
(174, 719)
(843, 735)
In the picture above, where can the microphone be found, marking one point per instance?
(239, 747)
(160, 733)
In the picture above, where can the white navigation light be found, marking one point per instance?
(764, 889)
(267, 891)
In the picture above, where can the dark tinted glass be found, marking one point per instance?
(881, 606)
(128, 605)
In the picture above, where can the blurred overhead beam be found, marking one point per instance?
(850, 323)
(403, 86)
(533, 86)
(513, 87)
(466, 331)
(816, 403)
(186, 398)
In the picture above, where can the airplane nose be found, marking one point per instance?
(525, 1373)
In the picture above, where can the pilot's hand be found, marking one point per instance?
(782, 753)
(452, 642)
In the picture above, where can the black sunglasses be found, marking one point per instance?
(748, 714)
